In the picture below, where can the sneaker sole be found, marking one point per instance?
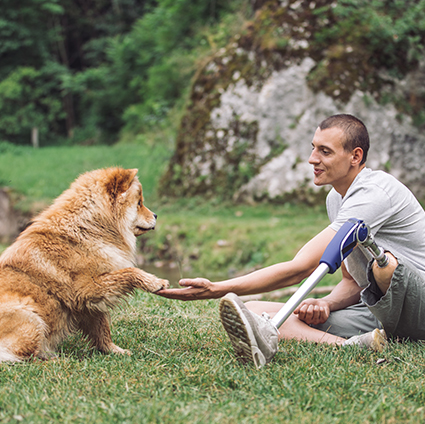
(240, 333)
(379, 341)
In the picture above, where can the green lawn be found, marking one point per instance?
(40, 175)
(182, 369)
(223, 241)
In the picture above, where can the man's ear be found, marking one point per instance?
(120, 181)
(357, 156)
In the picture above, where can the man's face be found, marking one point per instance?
(332, 164)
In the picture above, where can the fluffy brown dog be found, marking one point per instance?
(74, 262)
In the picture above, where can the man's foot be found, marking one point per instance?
(375, 340)
(254, 338)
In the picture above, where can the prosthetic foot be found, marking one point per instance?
(375, 340)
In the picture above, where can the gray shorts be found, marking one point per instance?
(402, 309)
(351, 321)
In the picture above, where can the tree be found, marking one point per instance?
(30, 99)
(146, 70)
(26, 33)
(100, 64)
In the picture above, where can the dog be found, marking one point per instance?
(72, 264)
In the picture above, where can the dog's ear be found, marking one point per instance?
(120, 181)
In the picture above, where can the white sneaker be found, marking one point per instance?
(375, 340)
(254, 338)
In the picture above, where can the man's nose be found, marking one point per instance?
(313, 158)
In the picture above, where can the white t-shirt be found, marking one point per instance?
(395, 217)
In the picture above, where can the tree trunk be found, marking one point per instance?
(34, 137)
(68, 104)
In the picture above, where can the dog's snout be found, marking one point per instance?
(155, 215)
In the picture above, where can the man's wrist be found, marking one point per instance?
(330, 303)
(218, 290)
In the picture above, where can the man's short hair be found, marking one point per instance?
(354, 130)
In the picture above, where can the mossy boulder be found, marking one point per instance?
(254, 106)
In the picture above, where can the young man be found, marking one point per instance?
(394, 295)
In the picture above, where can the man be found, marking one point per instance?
(394, 295)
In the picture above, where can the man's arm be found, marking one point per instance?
(345, 293)
(264, 280)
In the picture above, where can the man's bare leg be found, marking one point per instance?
(255, 339)
(293, 328)
(384, 275)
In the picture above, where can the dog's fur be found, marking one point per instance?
(74, 262)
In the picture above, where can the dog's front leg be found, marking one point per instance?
(106, 290)
(95, 326)
(149, 282)
(127, 279)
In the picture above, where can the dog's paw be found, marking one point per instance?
(150, 282)
(46, 356)
(160, 284)
(116, 349)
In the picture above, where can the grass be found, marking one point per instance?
(223, 241)
(39, 175)
(182, 369)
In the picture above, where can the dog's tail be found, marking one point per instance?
(22, 332)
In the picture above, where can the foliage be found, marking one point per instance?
(394, 30)
(368, 43)
(147, 70)
(101, 64)
(31, 98)
(101, 69)
(27, 37)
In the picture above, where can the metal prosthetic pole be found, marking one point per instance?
(345, 240)
(377, 252)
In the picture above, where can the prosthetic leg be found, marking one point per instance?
(345, 240)
(255, 338)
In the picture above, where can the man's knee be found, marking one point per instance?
(254, 306)
(258, 307)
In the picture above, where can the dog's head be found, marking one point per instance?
(126, 199)
(111, 200)
(105, 204)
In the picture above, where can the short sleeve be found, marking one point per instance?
(370, 203)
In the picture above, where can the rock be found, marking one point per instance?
(254, 108)
(9, 222)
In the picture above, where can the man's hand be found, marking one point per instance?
(194, 289)
(313, 311)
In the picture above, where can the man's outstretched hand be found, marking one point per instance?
(193, 289)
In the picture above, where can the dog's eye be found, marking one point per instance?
(139, 204)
